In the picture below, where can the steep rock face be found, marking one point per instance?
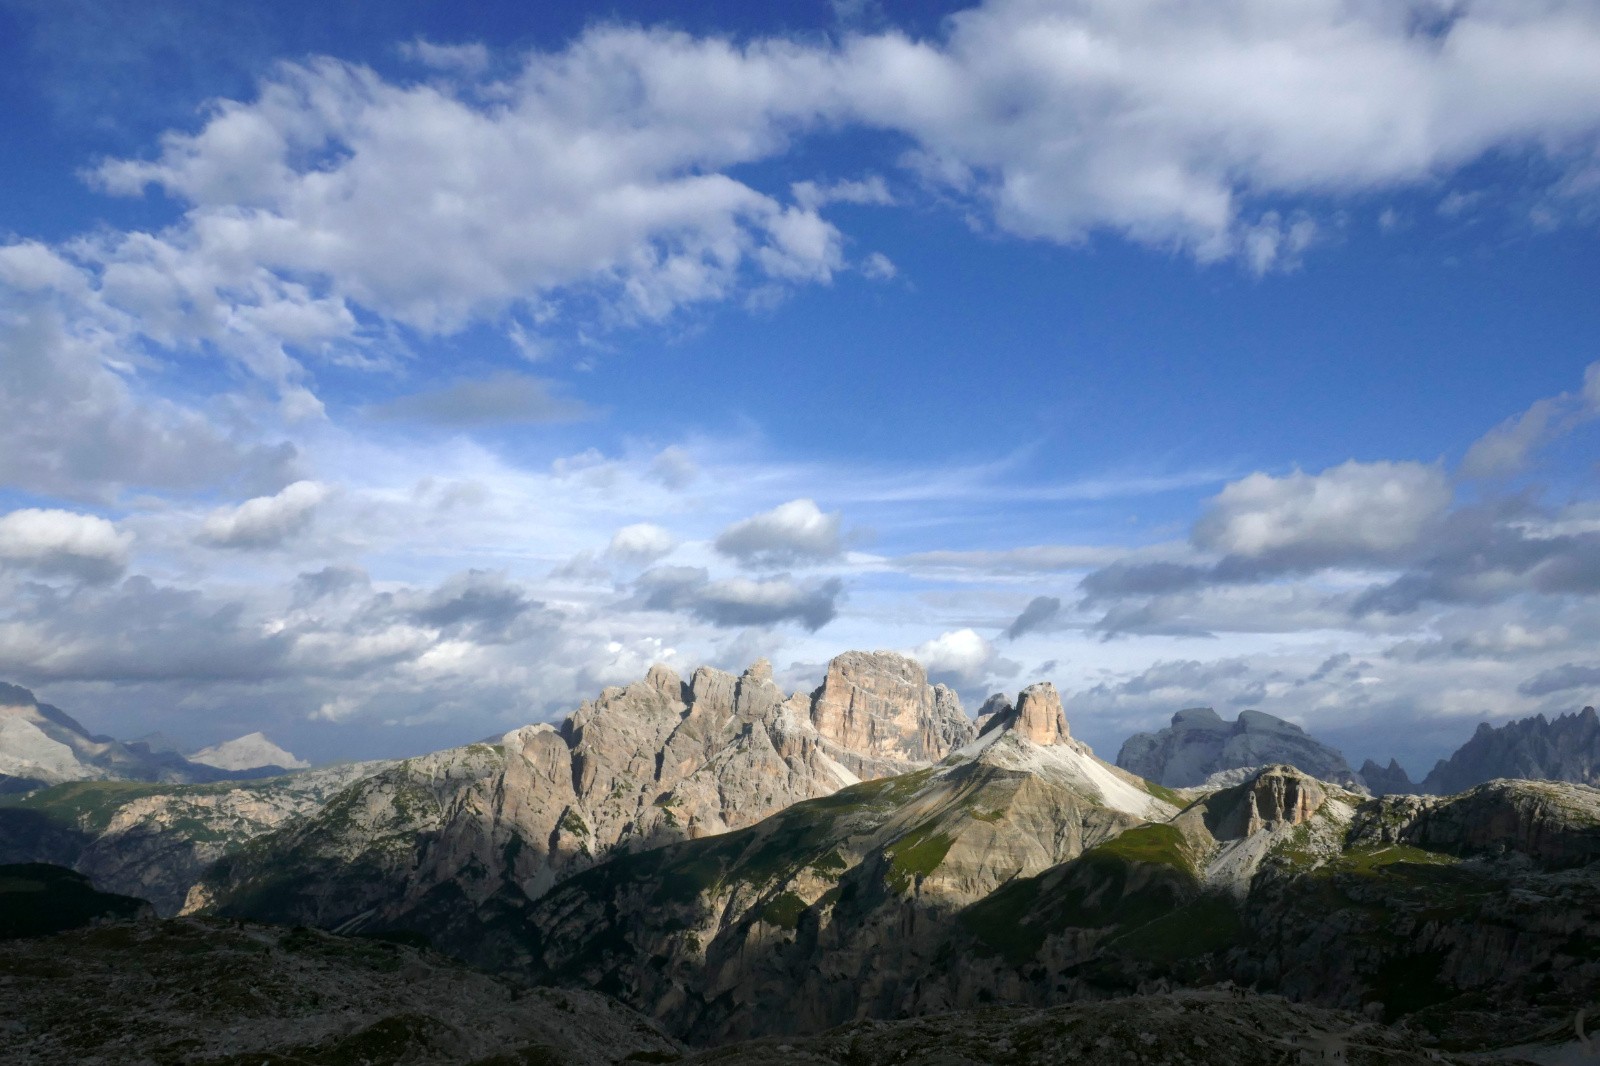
(836, 908)
(441, 837)
(1199, 743)
(1537, 748)
(1275, 797)
(879, 706)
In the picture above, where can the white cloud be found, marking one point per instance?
(74, 422)
(1508, 447)
(868, 190)
(790, 534)
(62, 542)
(739, 601)
(674, 468)
(471, 58)
(960, 657)
(1352, 512)
(505, 398)
(641, 543)
(601, 176)
(265, 521)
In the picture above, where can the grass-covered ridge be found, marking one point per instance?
(1156, 843)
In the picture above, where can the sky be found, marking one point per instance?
(387, 376)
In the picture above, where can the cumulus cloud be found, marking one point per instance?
(641, 543)
(330, 581)
(1507, 448)
(1174, 125)
(1040, 557)
(1489, 553)
(1352, 513)
(1040, 611)
(478, 603)
(961, 658)
(265, 521)
(84, 634)
(740, 601)
(61, 542)
(502, 399)
(674, 468)
(73, 424)
(308, 178)
(790, 534)
(1562, 678)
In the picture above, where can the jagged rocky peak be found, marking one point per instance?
(1566, 748)
(1274, 797)
(1039, 715)
(995, 712)
(1200, 743)
(879, 704)
(1387, 780)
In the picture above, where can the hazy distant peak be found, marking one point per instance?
(247, 753)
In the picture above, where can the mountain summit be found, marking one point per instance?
(1200, 743)
(657, 761)
(253, 751)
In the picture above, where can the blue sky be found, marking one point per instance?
(386, 376)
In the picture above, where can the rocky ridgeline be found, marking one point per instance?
(657, 761)
(1566, 748)
(1199, 744)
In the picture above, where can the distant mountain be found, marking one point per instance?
(1387, 780)
(1200, 743)
(43, 745)
(252, 751)
(1537, 748)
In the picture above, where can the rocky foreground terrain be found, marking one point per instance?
(1187, 1028)
(220, 994)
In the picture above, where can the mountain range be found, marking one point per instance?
(43, 745)
(706, 852)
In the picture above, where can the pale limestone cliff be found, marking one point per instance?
(640, 766)
(838, 907)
